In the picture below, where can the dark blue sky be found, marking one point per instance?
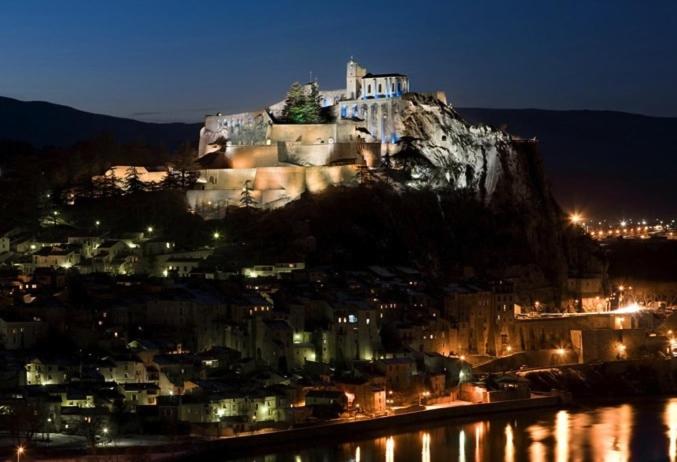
(176, 60)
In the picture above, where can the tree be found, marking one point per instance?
(182, 172)
(387, 163)
(133, 181)
(312, 105)
(106, 186)
(302, 107)
(364, 175)
(246, 199)
(293, 104)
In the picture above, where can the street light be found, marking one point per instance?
(575, 218)
(150, 229)
(216, 235)
(19, 452)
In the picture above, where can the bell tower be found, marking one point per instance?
(354, 74)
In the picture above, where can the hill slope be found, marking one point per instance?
(47, 124)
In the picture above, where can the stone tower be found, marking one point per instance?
(354, 74)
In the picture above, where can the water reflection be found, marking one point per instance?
(537, 433)
(670, 419)
(509, 452)
(390, 449)
(562, 436)
(640, 431)
(425, 449)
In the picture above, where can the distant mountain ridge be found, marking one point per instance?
(603, 162)
(46, 124)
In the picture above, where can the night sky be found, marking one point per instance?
(177, 60)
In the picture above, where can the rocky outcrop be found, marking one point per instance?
(462, 155)
(505, 172)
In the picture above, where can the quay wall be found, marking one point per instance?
(347, 430)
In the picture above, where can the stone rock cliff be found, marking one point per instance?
(506, 173)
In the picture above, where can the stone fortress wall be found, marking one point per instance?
(270, 186)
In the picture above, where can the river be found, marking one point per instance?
(644, 431)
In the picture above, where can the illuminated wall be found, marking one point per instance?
(270, 186)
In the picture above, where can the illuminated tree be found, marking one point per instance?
(301, 107)
(246, 199)
(387, 163)
(364, 175)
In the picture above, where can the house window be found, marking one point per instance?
(368, 88)
(380, 88)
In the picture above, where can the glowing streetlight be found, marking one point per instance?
(97, 223)
(576, 218)
(560, 351)
(105, 430)
(19, 452)
(149, 229)
(216, 235)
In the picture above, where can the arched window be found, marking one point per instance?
(392, 88)
(380, 89)
(368, 88)
(399, 87)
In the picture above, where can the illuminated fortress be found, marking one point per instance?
(278, 161)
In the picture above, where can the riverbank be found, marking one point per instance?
(358, 429)
(275, 441)
(620, 379)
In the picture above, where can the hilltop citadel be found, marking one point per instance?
(281, 160)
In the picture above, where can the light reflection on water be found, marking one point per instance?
(644, 431)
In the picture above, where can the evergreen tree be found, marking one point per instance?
(387, 163)
(364, 175)
(133, 181)
(246, 199)
(293, 103)
(302, 108)
(107, 186)
(182, 172)
(312, 105)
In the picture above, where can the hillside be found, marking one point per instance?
(47, 124)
